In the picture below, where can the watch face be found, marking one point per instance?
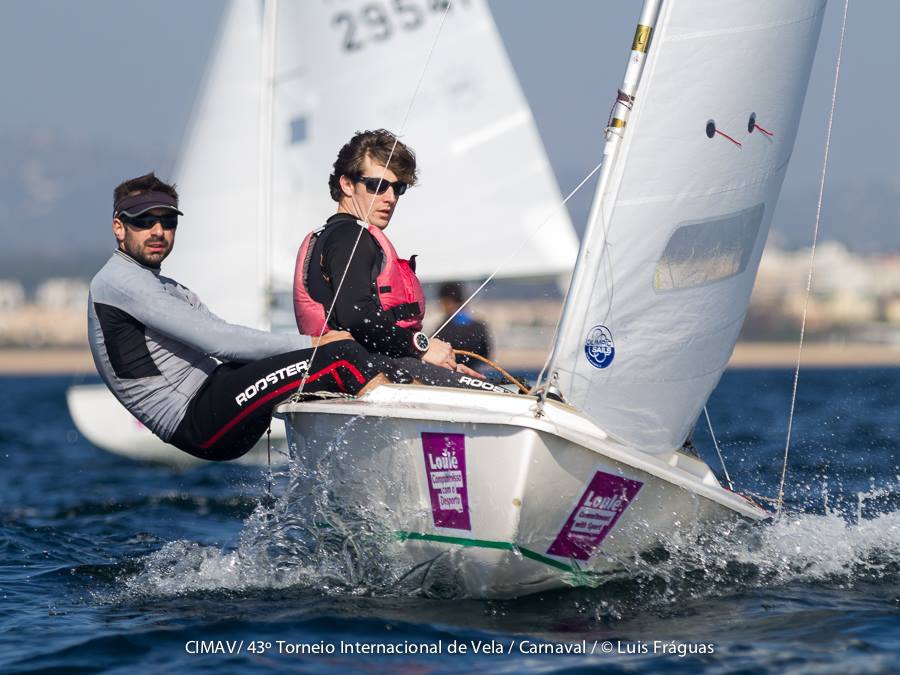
(421, 342)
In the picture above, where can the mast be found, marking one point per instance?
(614, 132)
(264, 187)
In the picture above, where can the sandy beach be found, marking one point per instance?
(76, 361)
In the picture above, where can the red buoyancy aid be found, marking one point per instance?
(395, 285)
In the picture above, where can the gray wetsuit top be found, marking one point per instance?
(154, 343)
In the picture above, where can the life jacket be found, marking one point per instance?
(395, 285)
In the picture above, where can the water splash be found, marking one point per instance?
(332, 531)
(278, 549)
(308, 537)
(806, 549)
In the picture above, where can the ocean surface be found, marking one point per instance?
(112, 566)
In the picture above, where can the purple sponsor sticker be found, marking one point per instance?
(595, 515)
(445, 466)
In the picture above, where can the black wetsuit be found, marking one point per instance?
(205, 385)
(468, 334)
(196, 381)
(357, 309)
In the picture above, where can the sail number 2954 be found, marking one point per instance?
(378, 21)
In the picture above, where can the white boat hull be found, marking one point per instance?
(103, 421)
(512, 503)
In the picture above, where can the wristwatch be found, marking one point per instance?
(420, 342)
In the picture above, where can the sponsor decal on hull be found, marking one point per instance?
(445, 468)
(605, 499)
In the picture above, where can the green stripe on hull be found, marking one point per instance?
(497, 545)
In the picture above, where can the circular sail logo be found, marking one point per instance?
(598, 347)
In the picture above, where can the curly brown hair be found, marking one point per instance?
(146, 183)
(377, 145)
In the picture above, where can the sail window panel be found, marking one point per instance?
(298, 130)
(706, 251)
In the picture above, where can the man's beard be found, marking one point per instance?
(148, 259)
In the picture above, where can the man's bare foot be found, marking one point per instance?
(376, 381)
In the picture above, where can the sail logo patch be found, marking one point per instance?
(594, 516)
(598, 347)
(445, 469)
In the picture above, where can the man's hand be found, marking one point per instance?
(331, 336)
(440, 353)
(465, 370)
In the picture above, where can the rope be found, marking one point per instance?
(462, 352)
(812, 257)
(718, 452)
(517, 250)
(765, 131)
(269, 496)
(762, 498)
(301, 397)
(381, 178)
(625, 100)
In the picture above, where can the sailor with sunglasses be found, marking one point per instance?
(202, 384)
(348, 275)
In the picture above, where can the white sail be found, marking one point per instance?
(680, 217)
(342, 67)
(217, 243)
(485, 178)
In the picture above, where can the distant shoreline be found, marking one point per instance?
(74, 361)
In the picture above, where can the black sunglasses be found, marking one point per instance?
(378, 186)
(147, 222)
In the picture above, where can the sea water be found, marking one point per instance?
(110, 565)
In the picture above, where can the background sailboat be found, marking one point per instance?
(517, 494)
(311, 75)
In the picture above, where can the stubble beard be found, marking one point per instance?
(147, 259)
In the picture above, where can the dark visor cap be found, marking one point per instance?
(136, 205)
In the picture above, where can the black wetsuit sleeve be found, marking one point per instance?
(357, 309)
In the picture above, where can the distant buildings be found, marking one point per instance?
(62, 294)
(854, 299)
(57, 316)
(12, 296)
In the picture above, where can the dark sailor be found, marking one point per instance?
(202, 384)
(463, 331)
(380, 302)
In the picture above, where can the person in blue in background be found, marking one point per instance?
(464, 332)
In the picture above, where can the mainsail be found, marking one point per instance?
(347, 66)
(217, 176)
(485, 178)
(682, 211)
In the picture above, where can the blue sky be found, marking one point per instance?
(124, 74)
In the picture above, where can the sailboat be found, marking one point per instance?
(514, 494)
(279, 99)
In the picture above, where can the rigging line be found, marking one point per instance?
(269, 497)
(518, 248)
(611, 151)
(718, 451)
(399, 133)
(812, 258)
(269, 41)
(607, 270)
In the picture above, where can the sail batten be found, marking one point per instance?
(682, 215)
